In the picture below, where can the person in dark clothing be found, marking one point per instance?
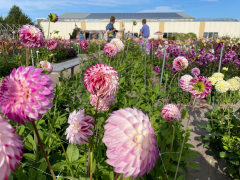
(71, 37)
(110, 29)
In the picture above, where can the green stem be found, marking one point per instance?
(91, 147)
(170, 153)
(36, 146)
(184, 139)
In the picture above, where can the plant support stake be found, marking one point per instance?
(163, 65)
(219, 67)
(32, 58)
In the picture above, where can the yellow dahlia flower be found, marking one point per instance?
(225, 69)
(222, 86)
(218, 76)
(213, 80)
(234, 84)
(237, 78)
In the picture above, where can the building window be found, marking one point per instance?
(210, 34)
(164, 35)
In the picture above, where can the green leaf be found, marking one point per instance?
(223, 154)
(43, 167)
(72, 153)
(20, 174)
(193, 165)
(182, 177)
(32, 174)
(29, 156)
(184, 113)
(192, 154)
(42, 177)
(58, 166)
(173, 168)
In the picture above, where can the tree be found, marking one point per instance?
(74, 33)
(1, 19)
(16, 16)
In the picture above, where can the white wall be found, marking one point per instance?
(182, 27)
(224, 28)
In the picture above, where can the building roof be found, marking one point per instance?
(155, 15)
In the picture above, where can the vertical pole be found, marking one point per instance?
(145, 68)
(37, 56)
(32, 58)
(163, 65)
(152, 54)
(219, 68)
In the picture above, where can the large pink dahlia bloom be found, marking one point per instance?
(101, 80)
(10, 149)
(81, 127)
(103, 104)
(83, 44)
(180, 63)
(170, 112)
(184, 82)
(110, 49)
(131, 142)
(51, 44)
(31, 36)
(26, 94)
(200, 87)
(46, 66)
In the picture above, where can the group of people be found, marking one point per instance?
(111, 31)
(143, 34)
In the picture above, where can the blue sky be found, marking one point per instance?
(196, 8)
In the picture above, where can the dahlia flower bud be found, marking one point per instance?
(81, 127)
(118, 43)
(10, 149)
(46, 66)
(101, 80)
(110, 50)
(184, 82)
(180, 63)
(103, 104)
(26, 94)
(200, 87)
(157, 69)
(134, 22)
(51, 45)
(131, 142)
(31, 36)
(53, 17)
(170, 112)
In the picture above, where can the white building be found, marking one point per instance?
(167, 23)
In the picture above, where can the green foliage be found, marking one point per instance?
(74, 33)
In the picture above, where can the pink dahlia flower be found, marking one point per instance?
(157, 69)
(46, 66)
(103, 104)
(110, 49)
(81, 127)
(195, 71)
(200, 87)
(31, 36)
(26, 94)
(184, 82)
(83, 44)
(131, 142)
(101, 80)
(51, 45)
(170, 112)
(10, 149)
(180, 63)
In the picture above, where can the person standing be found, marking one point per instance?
(110, 29)
(70, 36)
(81, 36)
(145, 32)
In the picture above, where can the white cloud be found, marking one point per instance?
(164, 9)
(211, 0)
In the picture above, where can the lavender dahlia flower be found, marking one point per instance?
(103, 104)
(81, 127)
(10, 149)
(51, 45)
(26, 94)
(131, 142)
(31, 36)
(170, 112)
(110, 50)
(195, 71)
(184, 82)
(200, 87)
